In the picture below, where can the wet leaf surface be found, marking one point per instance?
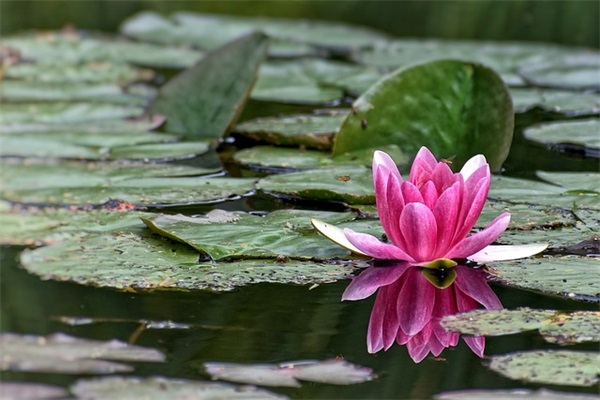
(65, 113)
(61, 353)
(337, 372)
(563, 102)
(582, 133)
(31, 391)
(556, 367)
(512, 394)
(576, 71)
(455, 99)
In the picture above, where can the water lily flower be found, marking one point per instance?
(427, 220)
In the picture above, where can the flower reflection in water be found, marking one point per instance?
(421, 274)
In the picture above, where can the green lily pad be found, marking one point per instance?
(556, 237)
(512, 394)
(574, 182)
(156, 388)
(581, 133)
(96, 183)
(224, 235)
(65, 113)
(90, 72)
(571, 276)
(337, 372)
(526, 217)
(444, 105)
(314, 131)
(32, 91)
(203, 101)
(352, 185)
(132, 261)
(36, 391)
(60, 353)
(578, 72)
(555, 326)
(61, 48)
(160, 151)
(555, 367)
(208, 31)
(563, 102)
(270, 158)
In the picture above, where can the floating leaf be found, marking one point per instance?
(116, 387)
(563, 102)
(60, 353)
(337, 372)
(556, 237)
(204, 101)
(125, 261)
(513, 394)
(562, 367)
(278, 159)
(555, 326)
(90, 72)
(571, 277)
(160, 151)
(579, 72)
(352, 185)
(576, 182)
(454, 108)
(311, 131)
(31, 391)
(526, 217)
(223, 235)
(582, 133)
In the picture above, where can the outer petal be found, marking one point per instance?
(472, 283)
(383, 159)
(375, 330)
(335, 234)
(371, 279)
(415, 303)
(502, 253)
(477, 242)
(394, 204)
(474, 198)
(419, 228)
(472, 165)
(476, 344)
(371, 246)
(445, 212)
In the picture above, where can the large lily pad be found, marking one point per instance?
(562, 367)
(512, 394)
(314, 131)
(581, 133)
(570, 276)
(563, 102)
(156, 388)
(223, 235)
(31, 391)
(133, 261)
(60, 353)
(555, 326)
(577, 183)
(337, 372)
(65, 113)
(97, 183)
(204, 101)
(208, 31)
(454, 108)
(578, 71)
(352, 185)
(270, 158)
(526, 217)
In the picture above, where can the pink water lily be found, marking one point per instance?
(427, 220)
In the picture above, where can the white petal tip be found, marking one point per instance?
(504, 253)
(335, 234)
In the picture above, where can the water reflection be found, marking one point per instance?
(408, 310)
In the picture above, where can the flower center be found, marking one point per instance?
(440, 272)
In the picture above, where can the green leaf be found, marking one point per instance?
(132, 261)
(315, 131)
(555, 367)
(454, 108)
(572, 277)
(60, 353)
(224, 235)
(157, 388)
(562, 102)
(526, 217)
(270, 158)
(38, 391)
(206, 100)
(352, 185)
(582, 133)
(511, 394)
(65, 113)
(555, 326)
(578, 72)
(90, 72)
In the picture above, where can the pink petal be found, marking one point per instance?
(415, 302)
(371, 246)
(445, 212)
(419, 229)
(477, 242)
(394, 206)
(502, 253)
(391, 322)
(471, 207)
(476, 344)
(381, 159)
(418, 346)
(443, 177)
(371, 279)
(472, 283)
(430, 194)
(424, 163)
(472, 165)
(410, 193)
(375, 330)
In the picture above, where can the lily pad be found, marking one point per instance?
(526, 217)
(65, 113)
(512, 394)
(315, 131)
(132, 261)
(224, 235)
(555, 367)
(352, 185)
(571, 276)
(555, 326)
(31, 391)
(556, 237)
(575, 182)
(32, 91)
(160, 151)
(584, 133)
(278, 159)
(97, 183)
(60, 353)
(117, 387)
(452, 107)
(90, 72)
(204, 101)
(562, 102)
(578, 72)
(337, 372)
